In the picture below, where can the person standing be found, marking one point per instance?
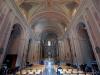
(59, 70)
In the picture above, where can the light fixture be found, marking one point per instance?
(65, 29)
(49, 43)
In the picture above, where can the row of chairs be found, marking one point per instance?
(39, 72)
(29, 72)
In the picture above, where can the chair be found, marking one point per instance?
(38, 72)
(23, 72)
(88, 74)
(81, 72)
(30, 72)
(75, 71)
(73, 74)
(69, 72)
(18, 73)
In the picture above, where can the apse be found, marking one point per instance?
(49, 45)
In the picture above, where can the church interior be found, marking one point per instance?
(49, 37)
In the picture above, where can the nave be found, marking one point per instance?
(34, 30)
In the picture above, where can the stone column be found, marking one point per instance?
(61, 50)
(59, 43)
(75, 47)
(25, 43)
(68, 54)
(21, 49)
(39, 54)
(4, 15)
(4, 24)
(6, 34)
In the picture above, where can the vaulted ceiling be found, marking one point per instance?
(31, 8)
(48, 16)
